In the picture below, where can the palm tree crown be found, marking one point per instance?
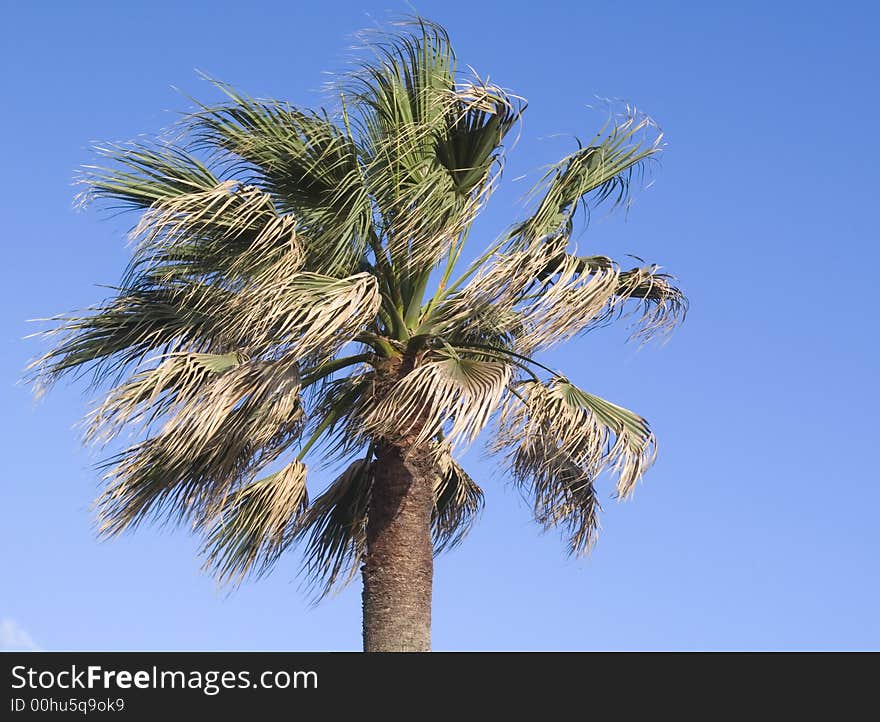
(295, 288)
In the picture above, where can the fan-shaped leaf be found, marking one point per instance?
(447, 389)
(253, 525)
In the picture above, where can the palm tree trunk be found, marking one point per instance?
(398, 568)
(399, 565)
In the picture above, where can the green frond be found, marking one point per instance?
(558, 439)
(141, 174)
(402, 91)
(601, 171)
(479, 118)
(430, 141)
(401, 98)
(109, 337)
(309, 164)
(302, 314)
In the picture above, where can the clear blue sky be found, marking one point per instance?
(757, 528)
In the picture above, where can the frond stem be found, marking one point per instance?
(451, 261)
(322, 427)
(507, 357)
(443, 293)
(508, 352)
(329, 367)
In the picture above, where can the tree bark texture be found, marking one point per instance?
(399, 564)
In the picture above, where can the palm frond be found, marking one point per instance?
(239, 422)
(105, 339)
(153, 393)
(302, 314)
(250, 529)
(334, 527)
(567, 304)
(663, 305)
(337, 418)
(540, 294)
(533, 298)
(401, 97)
(444, 390)
(140, 174)
(458, 501)
(430, 140)
(227, 233)
(305, 312)
(563, 493)
(558, 439)
(480, 117)
(601, 171)
(493, 292)
(489, 325)
(306, 161)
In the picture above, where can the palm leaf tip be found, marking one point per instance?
(137, 175)
(600, 171)
(558, 439)
(251, 527)
(663, 305)
(334, 528)
(458, 501)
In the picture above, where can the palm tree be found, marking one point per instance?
(295, 289)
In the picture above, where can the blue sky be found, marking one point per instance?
(756, 529)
